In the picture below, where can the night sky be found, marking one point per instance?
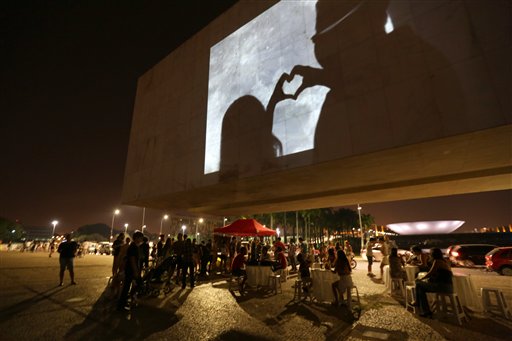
(68, 79)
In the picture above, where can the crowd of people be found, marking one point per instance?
(184, 258)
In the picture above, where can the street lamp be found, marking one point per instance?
(165, 217)
(54, 223)
(278, 231)
(183, 227)
(359, 208)
(116, 212)
(125, 228)
(200, 221)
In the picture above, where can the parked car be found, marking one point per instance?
(468, 255)
(377, 255)
(500, 260)
(104, 248)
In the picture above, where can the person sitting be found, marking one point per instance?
(342, 268)
(280, 260)
(238, 266)
(418, 258)
(265, 257)
(304, 274)
(396, 265)
(439, 279)
(330, 260)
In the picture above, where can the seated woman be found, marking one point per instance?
(418, 258)
(342, 268)
(439, 280)
(265, 257)
(238, 266)
(280, 260)
(304, 274)
(331, 259)
(396, 265)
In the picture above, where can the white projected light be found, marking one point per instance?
(250, 61)
(426, 227)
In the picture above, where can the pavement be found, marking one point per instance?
(32, 306)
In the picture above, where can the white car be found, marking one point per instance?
(377, 255)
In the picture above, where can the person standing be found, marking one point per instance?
(116, 247)
(67, 250)
(291, 255)
(52, 247)
(177, 249)
(131, 269)
(344, 284)
(187, 263)
(144, 254)
(385, 250)
(160, 247)
(369, 255)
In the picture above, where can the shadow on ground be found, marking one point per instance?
(106, 322)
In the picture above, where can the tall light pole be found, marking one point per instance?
(54, 223)
(116, 212)
(125, 228)
(183, 227)
(200, 221)
(165, 217)
(359, 208)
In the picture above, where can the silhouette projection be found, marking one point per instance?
(250, 62)
(312, 76)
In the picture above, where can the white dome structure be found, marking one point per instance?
(426, 227)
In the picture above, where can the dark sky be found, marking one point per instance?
(67, 87)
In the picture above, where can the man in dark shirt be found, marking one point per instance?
(131, 270)
(116, 247)
(160, 247)
(67, 250)
(187, 263)
(177, 249)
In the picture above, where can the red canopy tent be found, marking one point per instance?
(244, 228)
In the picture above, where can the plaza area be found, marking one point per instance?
(33, 306)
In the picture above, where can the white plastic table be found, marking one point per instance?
(257, 275)
(322, 281)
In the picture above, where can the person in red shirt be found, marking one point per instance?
(238, 266)
(280, 259)
(279, 243)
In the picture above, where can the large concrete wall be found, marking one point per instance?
(420, 108)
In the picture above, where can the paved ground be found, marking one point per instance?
(32, 306)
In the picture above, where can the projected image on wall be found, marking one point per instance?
(313, 76)
(253, 99)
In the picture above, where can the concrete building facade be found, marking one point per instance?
(284, 105)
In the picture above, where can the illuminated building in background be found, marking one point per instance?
(426, 227)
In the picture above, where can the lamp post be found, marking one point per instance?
(54, 223)
(116, 212)
(200, 221)
(125, 228)
(183, 227)
(165, 217)
(359, 208)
